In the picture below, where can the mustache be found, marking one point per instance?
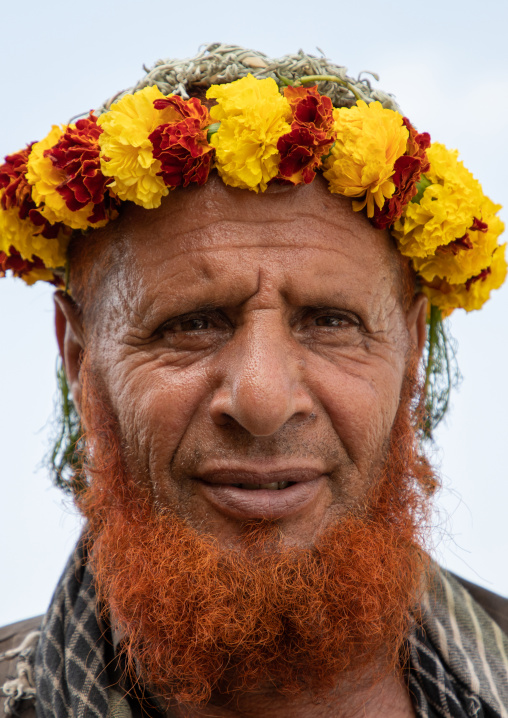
(262, 454)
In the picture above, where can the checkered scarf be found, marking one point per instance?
(458, 656)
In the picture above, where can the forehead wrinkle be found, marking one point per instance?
(295, 217)
(211, 231)
(377, 290)
(228, 247)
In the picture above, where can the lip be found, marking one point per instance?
(218, 488)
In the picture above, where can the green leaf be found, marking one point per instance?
(421, 186)
(212, 129)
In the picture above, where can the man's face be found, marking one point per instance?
(244, 360)
(253, 348)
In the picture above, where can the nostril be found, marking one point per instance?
(262, 393)
(223, 419)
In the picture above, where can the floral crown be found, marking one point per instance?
(259, 130)
(254, 120)
(262, 121)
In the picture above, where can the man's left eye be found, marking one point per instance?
(335, 321)
(192, 325)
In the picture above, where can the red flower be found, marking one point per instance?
(407, 172)
(77, 155)
(182, 146)
(21, 267)
(18, 192)
(310, 137)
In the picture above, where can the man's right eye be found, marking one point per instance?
(196, 323)
(192, 324)
(195, 332)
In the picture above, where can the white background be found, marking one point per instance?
(446, 62)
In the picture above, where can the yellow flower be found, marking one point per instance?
(253, 115)
(25, 237)
(370, 139)
(126, 151)
(37, 275)
(45, 178)
(472, 294)
(447, 209)
(458, 261)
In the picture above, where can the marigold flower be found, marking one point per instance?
(48, 182)
(446, 209)
(370, 139)
(30, 272)
(126, 150)
(467, 256)
(18, 192)
(407, 172)
(310, 137)
(472, 294)
(253, 115)
(83, 186)
(25, 237)
(182, 146)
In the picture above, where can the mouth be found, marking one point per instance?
(274, 486)
(250, 494)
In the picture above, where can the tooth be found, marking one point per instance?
(283, 484)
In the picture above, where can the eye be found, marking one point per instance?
(196, 331)
(203, 321)
(332, 319)
(192, 324)
(335, 321)
(329, 326)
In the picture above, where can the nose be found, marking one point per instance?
(262, 386)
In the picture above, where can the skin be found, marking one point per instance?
(242, 338)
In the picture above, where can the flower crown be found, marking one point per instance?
(148, 143)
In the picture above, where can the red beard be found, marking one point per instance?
(200, 620)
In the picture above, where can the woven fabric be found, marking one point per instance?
(70, 667)
(458, 656)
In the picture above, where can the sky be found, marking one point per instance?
(446, 64)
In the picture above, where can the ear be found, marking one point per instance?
(71, 341)
(417, 322)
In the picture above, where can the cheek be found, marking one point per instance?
(155, 406)
(361, 400)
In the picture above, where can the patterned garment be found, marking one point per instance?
(70, 663)
(458, 657)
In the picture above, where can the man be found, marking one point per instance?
(244, 353)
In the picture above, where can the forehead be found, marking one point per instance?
(221, 240)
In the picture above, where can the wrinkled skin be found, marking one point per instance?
(253, 333)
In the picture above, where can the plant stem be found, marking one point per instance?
(330, 78)
(435, 318)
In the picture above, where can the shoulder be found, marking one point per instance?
(493, 604)
(11, 638)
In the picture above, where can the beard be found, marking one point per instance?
(199, 621)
